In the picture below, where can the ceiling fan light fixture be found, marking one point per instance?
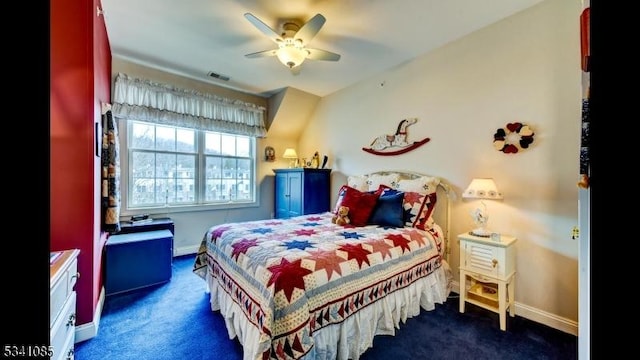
(292, 42)
(291, 56)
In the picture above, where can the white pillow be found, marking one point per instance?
(422, 185)
(391, 180)
(358, 182)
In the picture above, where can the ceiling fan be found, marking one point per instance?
(292, 50)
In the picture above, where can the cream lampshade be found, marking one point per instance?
(481, 188)
(291, 154)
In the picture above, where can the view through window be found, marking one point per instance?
(174, 166)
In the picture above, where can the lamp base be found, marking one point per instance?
(480, 232)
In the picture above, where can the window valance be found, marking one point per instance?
(165, 104)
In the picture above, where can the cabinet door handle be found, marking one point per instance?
(70, 354)
(76, 276)
(494, 262)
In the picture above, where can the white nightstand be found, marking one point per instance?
(487, 274)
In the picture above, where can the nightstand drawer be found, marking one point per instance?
(482, 259)
(487, 257)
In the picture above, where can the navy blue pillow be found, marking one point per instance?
(388, 211)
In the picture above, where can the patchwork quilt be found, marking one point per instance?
(292, 277)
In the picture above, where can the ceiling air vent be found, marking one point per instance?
(218, 76)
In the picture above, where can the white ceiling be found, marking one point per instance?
(194, 37)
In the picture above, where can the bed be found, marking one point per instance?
(307, 288)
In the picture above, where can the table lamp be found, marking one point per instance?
(481, 188)
(291, 154)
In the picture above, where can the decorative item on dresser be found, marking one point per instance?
(487, 274)
(63, 275)
(301, 191)
(315, 160)
(292, 155)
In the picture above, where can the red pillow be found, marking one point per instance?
(360, 204)
(343, 191)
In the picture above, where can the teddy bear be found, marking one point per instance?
(342, 216)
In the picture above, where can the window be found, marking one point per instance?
(171, 166)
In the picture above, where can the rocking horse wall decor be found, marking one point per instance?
(399, 140)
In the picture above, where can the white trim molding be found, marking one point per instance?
(89, 330)
(186, 250)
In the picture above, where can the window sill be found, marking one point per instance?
(163, 210)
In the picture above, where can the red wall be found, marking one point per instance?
(80, 63)
(102, 88)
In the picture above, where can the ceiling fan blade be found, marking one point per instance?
(264, 28)
(260, 54)
(309, 30)
(317, 54)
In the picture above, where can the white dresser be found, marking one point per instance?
(62, 296)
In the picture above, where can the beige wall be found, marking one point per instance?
(525, 68)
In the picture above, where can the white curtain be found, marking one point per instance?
(164, 104)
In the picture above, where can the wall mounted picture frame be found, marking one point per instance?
(269, 154)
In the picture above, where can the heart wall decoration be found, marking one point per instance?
(513, 138)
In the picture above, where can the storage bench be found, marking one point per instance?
(137, 260)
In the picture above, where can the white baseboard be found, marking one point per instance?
(557, 322)
(186, 250)
(90, 330)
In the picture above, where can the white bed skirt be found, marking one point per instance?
(352, 337)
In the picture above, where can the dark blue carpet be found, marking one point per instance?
(174, 321)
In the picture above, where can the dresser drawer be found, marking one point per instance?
(61, 290)
(62, 304)
(63, 330)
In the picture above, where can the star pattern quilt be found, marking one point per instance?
(292, 277)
